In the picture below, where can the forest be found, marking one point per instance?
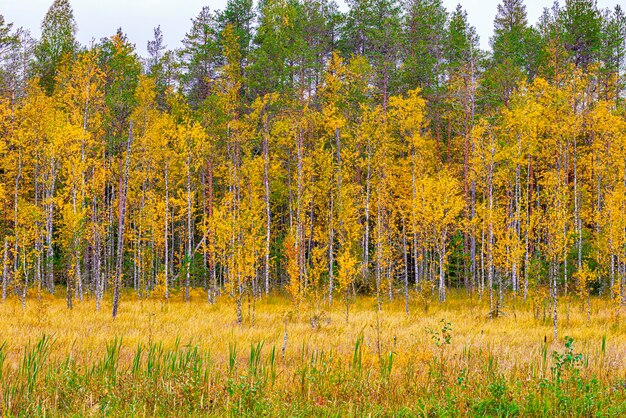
(291, 146)
(296, 154)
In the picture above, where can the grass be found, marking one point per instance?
(192, 359)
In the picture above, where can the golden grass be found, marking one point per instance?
(516, 347)
(516, 338)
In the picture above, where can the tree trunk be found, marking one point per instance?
(268, 214)
(490, 232)
(366, 238)
(554, 274)
(406, 268)
(189, 231)
(123, 190)
(97, 252)
(331, 255)
(442, 279)
(166, 224)
(5, 268)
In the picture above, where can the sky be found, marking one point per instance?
(137, 18)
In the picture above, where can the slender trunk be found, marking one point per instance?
(123, 189)
(527, 231)
(15, 213)
(140, 243)
(268, 214)
(189, 231)
(49, 230)
(5, 268)
(577, 218)
(332, 230)
(39, 239)
(612, 269)
(72, 277)
(210, 233)
(366, 240)
(442, 258)
(490, 230)
(379, 240)
(414, 215)
(565, 259)
(331, 252)
(166, 224)
(135, 251)
(473, 234)
(482, 262)
(80, 253)
(406, 269)
(554, 271)
(109, 238)
(25, 273)
(473, 181)
(516, 224)
(205, 262)
(97, 251)
(299, 215)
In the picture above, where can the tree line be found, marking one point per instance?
(288, 145)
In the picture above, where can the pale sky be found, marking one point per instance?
(100, 18)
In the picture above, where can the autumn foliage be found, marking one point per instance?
(377, 164)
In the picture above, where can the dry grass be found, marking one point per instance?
(399, 365)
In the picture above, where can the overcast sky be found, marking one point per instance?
(137, 18)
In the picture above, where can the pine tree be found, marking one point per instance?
(373, 30)
(582, 31)
(514, 52)
(200, 57)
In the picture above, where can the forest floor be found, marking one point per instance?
(193, 359)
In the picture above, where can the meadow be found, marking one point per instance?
(193, 359)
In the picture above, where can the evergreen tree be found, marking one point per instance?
(423, 41)
(158, 65)
(463, 59)
(240, 14)
(155, 49)
(122, 67)
(514, 57)
(613, 53)
(292, 43)
(58, 42)
(461, 44)
(7, 38)
(373, 29)
(582, 27)
(13, 73)
(200, 57)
